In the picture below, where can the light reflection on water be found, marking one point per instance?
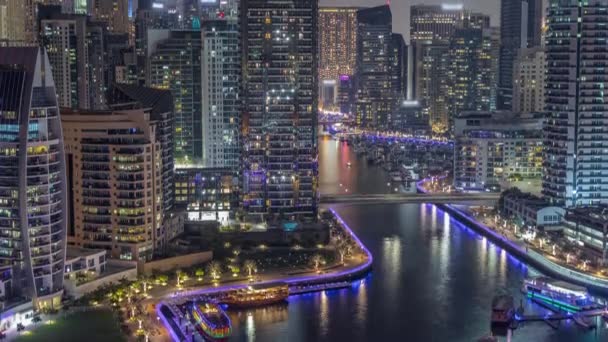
(433, 279)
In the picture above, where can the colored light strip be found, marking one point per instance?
(166, 323)
(290, 281)
(552, 300)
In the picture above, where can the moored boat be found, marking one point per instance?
(257, 295)
(502, 310)
(211, 321)
(558, 294)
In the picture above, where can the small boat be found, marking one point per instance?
(503, 314)
(348, 164)
(211, 321)
(257, 295)
(502, 310)
(558, 294)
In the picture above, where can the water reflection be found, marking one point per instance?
(433, 279)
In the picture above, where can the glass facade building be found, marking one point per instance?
(280, 173)
(33, 201)
(576, 134)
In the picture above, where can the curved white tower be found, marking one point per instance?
(32, 178)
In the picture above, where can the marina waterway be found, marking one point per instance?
(433, 279)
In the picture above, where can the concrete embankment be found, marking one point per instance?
(528, 256)
(524, 254)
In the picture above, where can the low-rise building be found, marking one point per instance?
(88, 269)
(84, 260)
(492, 147)
(588, 225)
(529, 209)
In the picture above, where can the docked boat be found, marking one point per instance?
(257, 295)
(211, 321)
(503, 313)
(502, 310)
(558, 294)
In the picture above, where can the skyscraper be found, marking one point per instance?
(280, 172)
(116, 200)
(76, 52)
(337, 44)
(221, 68)
(33, 206)
(114, 12)
(471, 72)
(175, 64)
(520, 27)
(374, 96)
(398, 64)
(431, 28)
(529, 81)
(159, 103)
(147, 18)
(454, 62)
(12, 21)
(434, 23)
(576, 139)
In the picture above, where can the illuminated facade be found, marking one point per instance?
(114, 165)
(12, 21)
(434, 23)
(472, 71)
(75, 49)
(337, 44)
(375, 98)
(280, 173)
(175, 64)
(529, 81)
(206, 194)
(452, 69)
(576, 138)
(221, 68)
(33, 205)
(520, 28)
(114, 12)
(491, 147)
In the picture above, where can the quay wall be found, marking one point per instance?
(527, 256)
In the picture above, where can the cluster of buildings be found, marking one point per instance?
(122, 120)
(523, 102)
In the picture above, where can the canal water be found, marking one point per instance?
(433, 279)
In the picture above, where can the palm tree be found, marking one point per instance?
(250, 266)
(317, 260)
(180, 274)
(215, 269)
(342, 251)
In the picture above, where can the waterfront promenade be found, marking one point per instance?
(523, 252)
(355, 268)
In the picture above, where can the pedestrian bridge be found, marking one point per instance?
(439, 198)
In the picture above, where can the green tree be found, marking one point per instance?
(250, 266)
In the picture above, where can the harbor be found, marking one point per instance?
(405, 160)
(199, 314)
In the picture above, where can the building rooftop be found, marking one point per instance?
(76, 252)
(598, 213)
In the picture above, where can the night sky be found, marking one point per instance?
(401, 9)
